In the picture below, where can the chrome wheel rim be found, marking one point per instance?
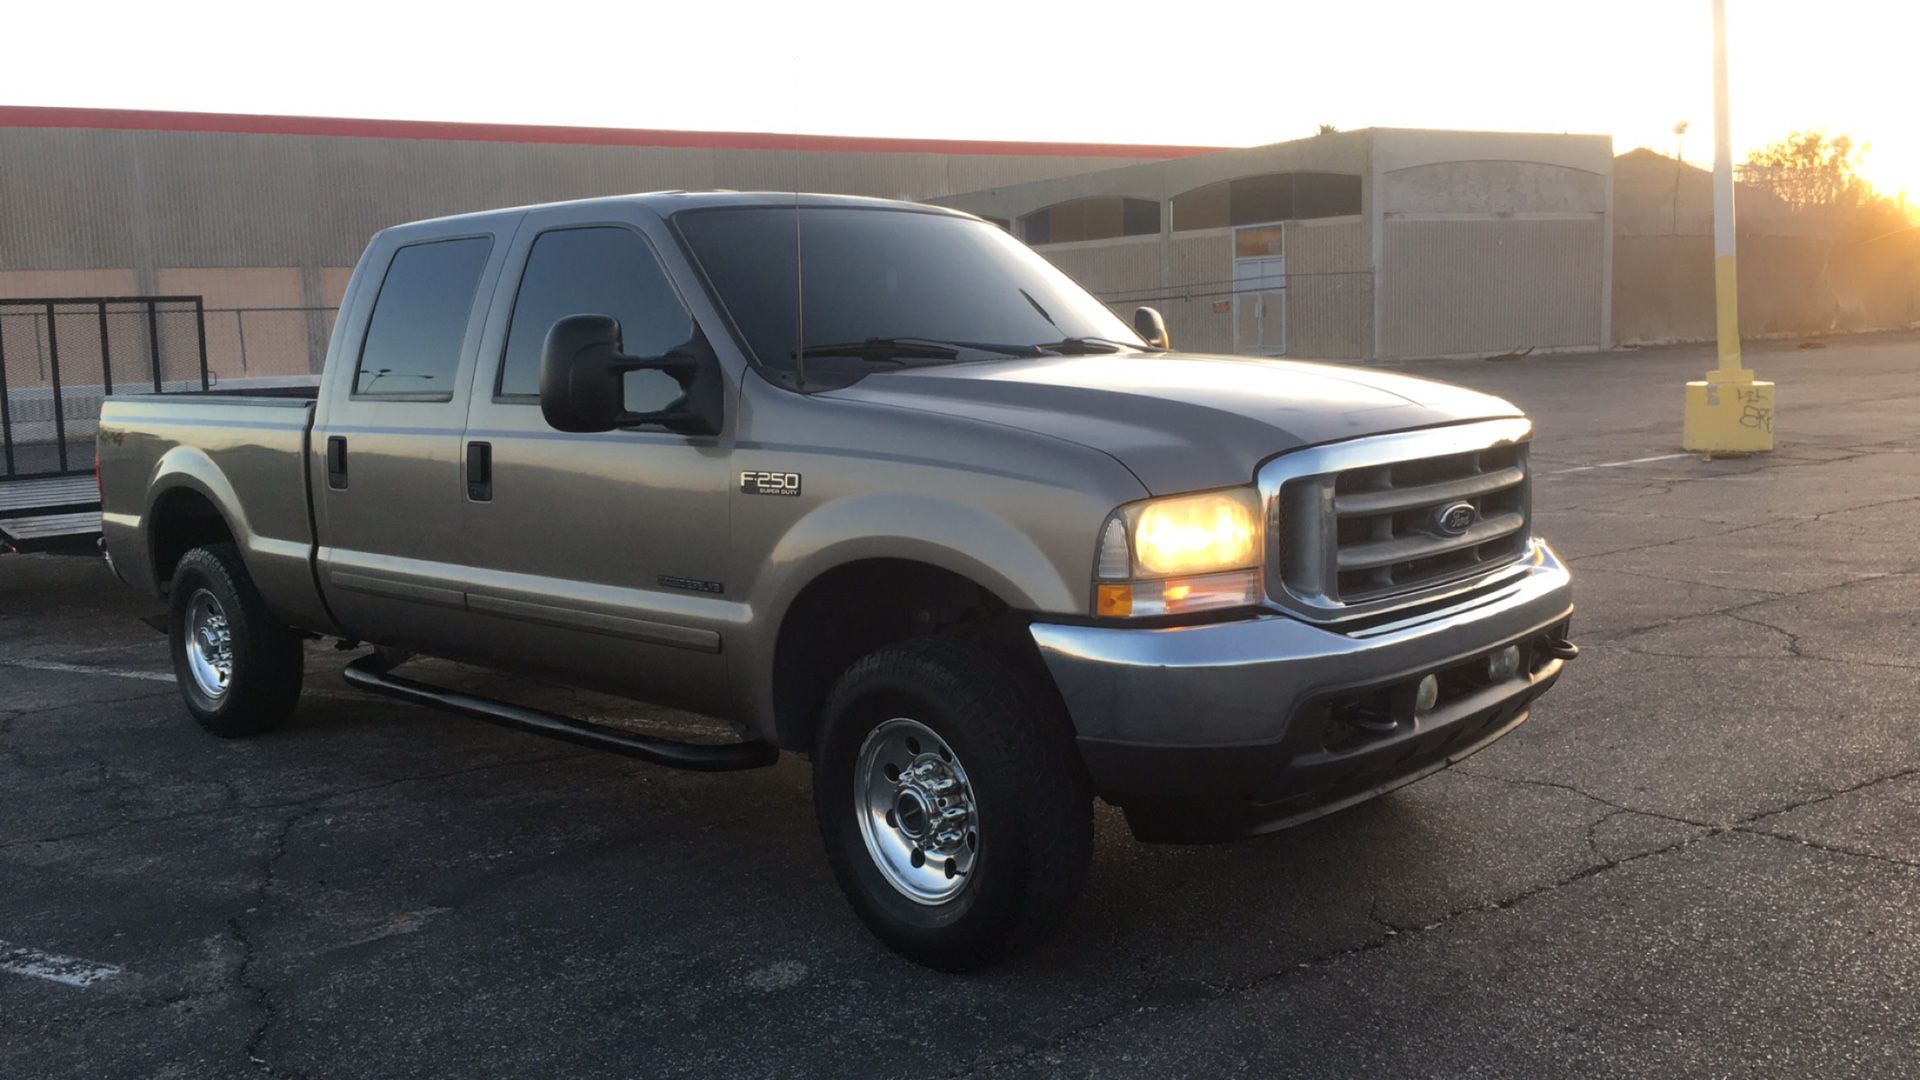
(916, 811)
(209, 644)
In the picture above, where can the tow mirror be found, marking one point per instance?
(583, 380)
(1151, 327)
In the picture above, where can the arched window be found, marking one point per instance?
(1256, 200)
(1096, 217)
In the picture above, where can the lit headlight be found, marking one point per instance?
(1180, 554)
(1195, 533)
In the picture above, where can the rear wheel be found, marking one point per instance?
(955, 812)
(238, 668)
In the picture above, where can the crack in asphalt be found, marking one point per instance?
(22, 714)
(245, 808)
(1828, 796)
(1393, 933)
(1651, 544)
(243, 977)
(1772, 593)
(1750, 657)
(1222, 991)
(1834, 849)
(1636, 631)
(1555, 785)
(1665, 484)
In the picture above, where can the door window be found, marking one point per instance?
(601, 270)
(412, 348)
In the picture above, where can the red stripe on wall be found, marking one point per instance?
(30, 116)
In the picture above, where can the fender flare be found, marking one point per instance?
(188, 468)
(896, 527)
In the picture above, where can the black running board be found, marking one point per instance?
(371, 673)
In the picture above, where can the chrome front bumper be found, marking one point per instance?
(1249, 711)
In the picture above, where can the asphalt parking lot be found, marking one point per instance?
(1701, 856)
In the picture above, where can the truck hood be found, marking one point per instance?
(1179, 421)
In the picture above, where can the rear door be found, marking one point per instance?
(597, 557)
(386, 444)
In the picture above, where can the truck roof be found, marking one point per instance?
(670, 202)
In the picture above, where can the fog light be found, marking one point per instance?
(1428, 695)
(1503, 664)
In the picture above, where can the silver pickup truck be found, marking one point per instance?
(876, 484)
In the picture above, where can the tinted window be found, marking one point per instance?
(596, 271)
(1256, 200)
(1097, 217)
(884, 273)
(420, 318)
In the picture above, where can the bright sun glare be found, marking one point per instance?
(1208, 74)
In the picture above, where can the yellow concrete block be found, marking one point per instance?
(1729, 416)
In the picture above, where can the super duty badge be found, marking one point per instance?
(754, 482)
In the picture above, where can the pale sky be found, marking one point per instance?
(1177, 71)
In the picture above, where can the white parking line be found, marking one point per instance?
(71, 970)
(82, 669)
(1621, 464)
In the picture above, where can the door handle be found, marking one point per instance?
(480, 471)
(337, 462)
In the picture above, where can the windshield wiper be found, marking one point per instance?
(1086, 346)
(902, 349)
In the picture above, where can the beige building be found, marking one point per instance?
(264, 216)
(1374, 243)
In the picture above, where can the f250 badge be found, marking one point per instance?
(755, 482)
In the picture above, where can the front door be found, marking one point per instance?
(1260, 291)
(386, 445)
(598, 557)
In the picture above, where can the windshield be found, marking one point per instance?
(886, 285)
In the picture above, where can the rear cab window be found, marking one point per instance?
(412, 347)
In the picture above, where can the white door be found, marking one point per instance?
(1259, 291)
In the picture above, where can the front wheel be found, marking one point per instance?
(955, 812)
(238, 668)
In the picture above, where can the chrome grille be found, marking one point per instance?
(1357, 527)
(1387, 520)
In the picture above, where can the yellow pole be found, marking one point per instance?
(1729, 411)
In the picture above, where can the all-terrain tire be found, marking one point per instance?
(214, 600)
(1028, 796)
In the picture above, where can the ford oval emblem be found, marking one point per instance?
(1454, 519)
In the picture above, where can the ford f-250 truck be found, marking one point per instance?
(877, 484)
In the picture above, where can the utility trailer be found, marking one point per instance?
(59, 359)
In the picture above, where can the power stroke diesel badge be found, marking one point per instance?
(755, 482)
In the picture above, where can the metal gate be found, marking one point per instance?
(60, 357)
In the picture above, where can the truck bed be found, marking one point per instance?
(243, 453)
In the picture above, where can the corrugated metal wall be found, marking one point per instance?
(1480, 253)
(1329, 289)
(145, 202)
(1478, 286)
(1199, 293)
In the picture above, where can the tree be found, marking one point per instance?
(1327, 129)
(1808, 170)
(1811, 173)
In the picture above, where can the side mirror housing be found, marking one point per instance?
(1150, 326)
(583, 384)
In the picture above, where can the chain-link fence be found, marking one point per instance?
(1263, 311)
(275, 343)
